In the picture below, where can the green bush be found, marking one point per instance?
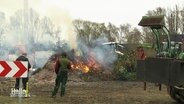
(126, 75)
(124, 68)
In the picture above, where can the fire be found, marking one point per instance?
(80, 66)
(85, 64)
(85, 69)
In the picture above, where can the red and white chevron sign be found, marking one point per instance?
(17, 69)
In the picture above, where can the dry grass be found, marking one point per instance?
(104, 92)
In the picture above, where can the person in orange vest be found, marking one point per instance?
(23, 57)
(61, 69)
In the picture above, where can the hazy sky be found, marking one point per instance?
(114, 11)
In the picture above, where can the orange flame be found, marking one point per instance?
(80, 66)
(85, 67)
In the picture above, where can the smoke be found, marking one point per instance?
(103, 54)
(64, 21)
(39, 52)
(15, 40)
(61, 18)
(21, 35)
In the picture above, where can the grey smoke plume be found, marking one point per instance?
(40, 45)
(32, 38)
(35, 34)
(103, 54)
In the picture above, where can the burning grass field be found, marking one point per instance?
(100, 92)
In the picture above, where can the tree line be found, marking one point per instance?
(125, 33)
(87, 31)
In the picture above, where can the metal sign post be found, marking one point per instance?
(20, 91)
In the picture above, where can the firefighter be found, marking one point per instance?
(23, 57)
(61, 69)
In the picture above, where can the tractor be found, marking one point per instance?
(167, 65)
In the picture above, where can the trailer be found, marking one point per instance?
(167, 66)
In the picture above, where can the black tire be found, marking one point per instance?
(176, 94)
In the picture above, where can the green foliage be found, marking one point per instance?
(125, 75)
(125, 66)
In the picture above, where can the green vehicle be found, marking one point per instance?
(167, 66)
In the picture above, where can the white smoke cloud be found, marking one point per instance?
(16, 37)
(103, 54)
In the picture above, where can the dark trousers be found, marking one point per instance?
(61, 78)
(24, 82)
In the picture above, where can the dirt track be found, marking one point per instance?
(102, 92)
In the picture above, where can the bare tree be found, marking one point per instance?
(157, 12)
(113, 32)
(172, 19)
(134, 37)
(181, 21)
(125, 30)
(3, 24)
